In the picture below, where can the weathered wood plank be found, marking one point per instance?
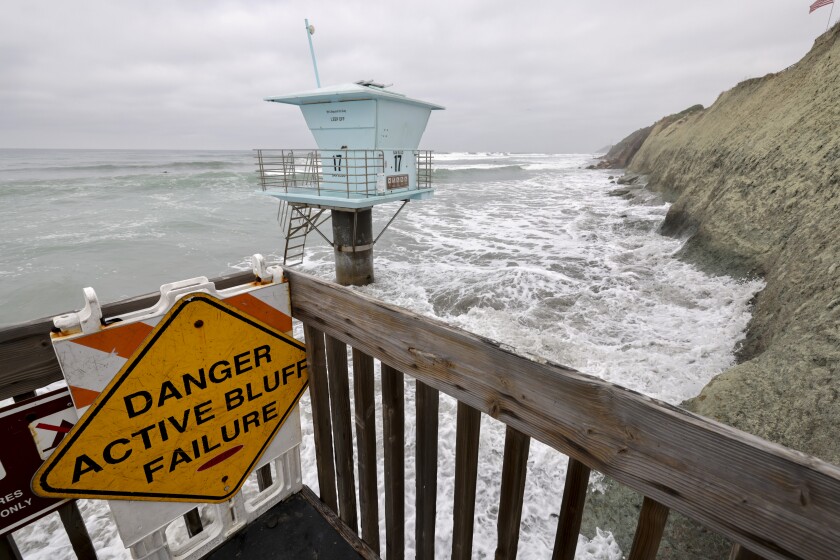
(27, 360)
(774, 501)
(571, 510)
(316, 363)
(363, 390)
(466, 474)
(350, 537)
(339, 385)
(514, 469)
(77, 532)
(393, 432)
(427, 408)
(649, 531)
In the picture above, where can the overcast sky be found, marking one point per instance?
(558, 76)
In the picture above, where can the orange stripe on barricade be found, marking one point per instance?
(82, 397)
(261, 311)
(121, 340)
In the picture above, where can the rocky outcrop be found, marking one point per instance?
(755, 181)
(621, 154)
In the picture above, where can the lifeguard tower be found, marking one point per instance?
(367, 138)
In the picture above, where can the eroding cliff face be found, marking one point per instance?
(756, 184)
(756, 178)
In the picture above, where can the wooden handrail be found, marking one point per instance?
(27, 360)
(770, 499)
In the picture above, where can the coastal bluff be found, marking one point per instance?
(755, 185)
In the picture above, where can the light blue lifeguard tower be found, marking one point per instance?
(367, 138)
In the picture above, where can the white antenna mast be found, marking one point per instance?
(310, 31)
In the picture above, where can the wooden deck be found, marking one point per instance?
(770, 501)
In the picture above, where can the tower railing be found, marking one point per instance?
(342, 173)
(424, 169)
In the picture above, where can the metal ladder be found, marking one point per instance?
(298, 220)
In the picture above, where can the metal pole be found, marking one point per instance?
(827, 25)
(309, 31)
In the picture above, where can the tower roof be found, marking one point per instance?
(349, 92)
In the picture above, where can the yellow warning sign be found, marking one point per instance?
(189, 414)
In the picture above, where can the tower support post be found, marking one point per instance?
(353, 246)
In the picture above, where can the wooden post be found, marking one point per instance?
(428, 406)
(466, 473)
(77, 532)
(339, 387)
(316, 361)
(514, 470)
(571, 510)
(363, 390)
(393, 432)
(649, 531)
(353, 247)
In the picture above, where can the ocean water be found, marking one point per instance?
(527, 249)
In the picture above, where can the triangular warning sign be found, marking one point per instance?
(189, 414)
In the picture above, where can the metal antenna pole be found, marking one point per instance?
(829, 17)
(310, 29)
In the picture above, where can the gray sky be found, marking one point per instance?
(527, 76)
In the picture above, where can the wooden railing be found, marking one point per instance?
(767, 499)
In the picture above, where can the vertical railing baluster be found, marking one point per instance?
(466, 473)
(339, 387)
(514, 469)
(264, 478)
(571, 510)
(363, 391)
(77, 532)
(649, 531)
(428, 404)
(192, 520)
(393, 430)
(316, 361)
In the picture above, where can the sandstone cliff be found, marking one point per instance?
(755, 180)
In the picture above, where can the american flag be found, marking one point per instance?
(820, 4)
